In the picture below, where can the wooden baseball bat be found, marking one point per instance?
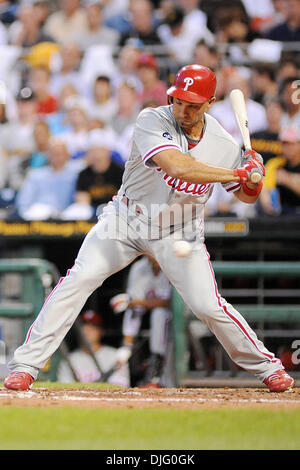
(86, 344)
(238, 104)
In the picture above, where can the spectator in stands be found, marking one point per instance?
(119, 20)
(290, 93)
(45, 54)
(180, 31)
(47, 191)
(27, 30)
(99, 181)
(263, 83)
(280, 13)
(8, 12)
(232, 24)
(232, 29)
(153, 88)
(3, 34)
(206, 55)
(127, 65)
(281, 192)
(70, 57)
(195, 21)
(77, 109)
(288, 67)
(266, 142)
(95, 122)
(82, 362)
(173, 35)
(39, 80)
(222, 110)
(114, 9)
(124, 121)
(71, 19)
(42, 11)
(17, 138)
(128, 100)
(128, 107)
(262, 14)
(223, 74)
(38, 158)
(104, 103)
(3, 157)
(41, 134)
(289, 30)
(143, 24)
(3, 116)
(97, 32)
(58, 122)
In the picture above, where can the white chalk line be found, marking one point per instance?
(70, 397)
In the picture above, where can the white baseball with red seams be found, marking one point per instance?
(181, 248)
(138, 221)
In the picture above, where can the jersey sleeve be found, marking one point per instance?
(233, 186)
(152, 135)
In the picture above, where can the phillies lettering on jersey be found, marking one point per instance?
(189, 188)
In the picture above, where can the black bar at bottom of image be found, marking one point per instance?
(155, 458)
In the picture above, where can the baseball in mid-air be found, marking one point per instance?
(181, 248)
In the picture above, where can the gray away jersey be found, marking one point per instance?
(146, 184)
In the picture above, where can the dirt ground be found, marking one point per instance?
(169, 398)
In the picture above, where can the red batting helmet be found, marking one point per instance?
(194, 83)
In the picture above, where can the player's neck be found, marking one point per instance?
(195, 132)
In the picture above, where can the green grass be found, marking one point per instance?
(75, 428)
(69, 427)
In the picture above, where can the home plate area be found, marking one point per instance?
(195, 398)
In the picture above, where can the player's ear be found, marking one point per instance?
(209, 102)
(170, 99)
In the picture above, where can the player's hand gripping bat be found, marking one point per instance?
(240, 112)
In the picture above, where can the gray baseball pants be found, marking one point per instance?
(106, 251)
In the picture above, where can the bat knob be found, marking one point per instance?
(255, 177)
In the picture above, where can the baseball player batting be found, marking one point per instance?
(178, 153)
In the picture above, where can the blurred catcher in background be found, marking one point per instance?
(82, 364)
(148, 289)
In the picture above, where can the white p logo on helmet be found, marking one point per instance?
(188, 82)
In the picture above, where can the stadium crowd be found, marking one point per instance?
(75, 74)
